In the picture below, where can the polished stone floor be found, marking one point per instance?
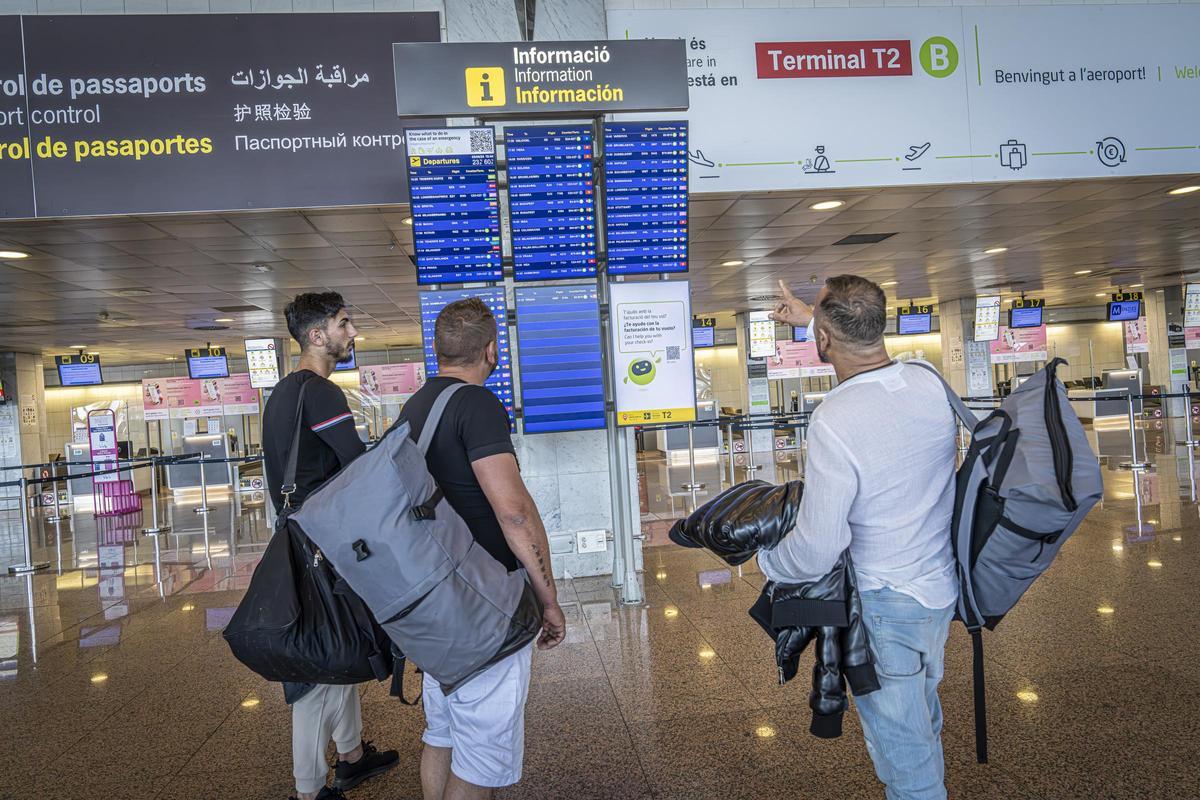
(115, 682)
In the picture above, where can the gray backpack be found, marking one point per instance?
(1026, 483)
(445, 602)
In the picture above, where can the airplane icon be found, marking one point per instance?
(916, 151)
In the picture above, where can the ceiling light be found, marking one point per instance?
(360, 338)
(734, 263)
(250, 702)
(263, 268)
(1154, 564)
(99, 677)
(707, 653)
(1106, 610)
(671, 613)
(1118, 547)
(223, 319)
(1180, 190)
(991, 251)
(77, 347)
(172, 358)
(889, 283)
(764, 731)
(1101, 294)
(188, 607)
(1027, 696)
(660, 576)
(1136, 285)
(1176, 538)
(827, 205)
(12, 255)
(1083, 272)
(407, 220)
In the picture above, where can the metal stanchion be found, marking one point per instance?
(29, 565)
(155, 527)
(58, 514)
(1191, 440)
(748, 436)
(732, 466)
(1133, 464)
(203, 507)
(691, 485)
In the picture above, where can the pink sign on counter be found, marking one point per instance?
(238, 396)
(1137, 336)
(1015, 345)
(154, 400)
(797, 360)
(391, 383)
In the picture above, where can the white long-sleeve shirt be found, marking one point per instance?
(879, 478)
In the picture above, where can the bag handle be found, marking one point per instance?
(435, 416)
(960, 408)
(289, 471)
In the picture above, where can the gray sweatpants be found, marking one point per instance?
(326, 712)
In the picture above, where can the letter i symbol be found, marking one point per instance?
(486, 84)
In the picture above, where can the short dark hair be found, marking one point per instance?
(856, 308)
(463, 331)
(312, 310)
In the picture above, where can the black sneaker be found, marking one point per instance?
(347, 775)
(327, 793)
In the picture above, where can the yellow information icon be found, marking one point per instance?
(485, 86)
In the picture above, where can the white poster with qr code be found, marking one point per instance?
(653, 365)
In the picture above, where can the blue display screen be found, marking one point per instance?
(432, 304)
(562, 372)
(455, 204)
(1124, 311)
(646, 205)
(703, 336)
(799, 333)
(914, 323)
(207, 366)
(348, 364)
(551, 202)
(1024, 317)
(73, 373)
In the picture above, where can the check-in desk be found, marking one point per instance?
(674, 441)
(82, 487)
(216, 475)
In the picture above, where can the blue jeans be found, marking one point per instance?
(902, 720)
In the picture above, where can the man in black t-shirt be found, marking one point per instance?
(328, 441)
(475, 736)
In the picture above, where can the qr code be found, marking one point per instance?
(673, 353)
(481, 141)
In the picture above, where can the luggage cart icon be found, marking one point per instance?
(1014, 155)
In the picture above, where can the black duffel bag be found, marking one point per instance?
(298, 621)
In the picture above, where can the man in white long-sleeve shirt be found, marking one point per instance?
(879, 479)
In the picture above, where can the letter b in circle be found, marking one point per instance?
(939, 57)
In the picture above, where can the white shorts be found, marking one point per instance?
(483, 722)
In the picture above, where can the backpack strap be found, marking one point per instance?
(288, 488)
(427, 510)
(435, 416)
(981, 743)
(960, 408)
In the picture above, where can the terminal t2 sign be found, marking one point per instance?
(529, 79)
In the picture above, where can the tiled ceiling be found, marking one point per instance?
(130, 287)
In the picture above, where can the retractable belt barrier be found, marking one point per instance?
(122, 466)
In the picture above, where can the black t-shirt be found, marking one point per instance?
(474, 426)
(328, 440)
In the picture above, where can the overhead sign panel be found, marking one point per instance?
(528, 79)
(455, 204)
(811, 99)
(263, 363)
(129, 114)
(652, 358)
(79, 370)
(432, 303)
(562, 371)
(551, 201)
(645, 204)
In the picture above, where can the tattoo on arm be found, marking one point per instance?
(537, 551)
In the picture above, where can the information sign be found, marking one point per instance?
(263, 363)
(391, 383)
(762, 335)
(987, 318)
(79, 370)
(1137, 336)
(432, 303)
(238, 395)
(653, 367)
(551, 201)
(1019, 344)
(207, 362)
(797, 360)
(645, 204)
(559, 359)
(455, 204)
(1191, 306)
(102, 436)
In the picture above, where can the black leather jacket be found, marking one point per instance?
(735, 525)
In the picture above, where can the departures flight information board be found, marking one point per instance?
(646, 206)
(455, 204)
(562, 372)
(551, 202)
(432, 303)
